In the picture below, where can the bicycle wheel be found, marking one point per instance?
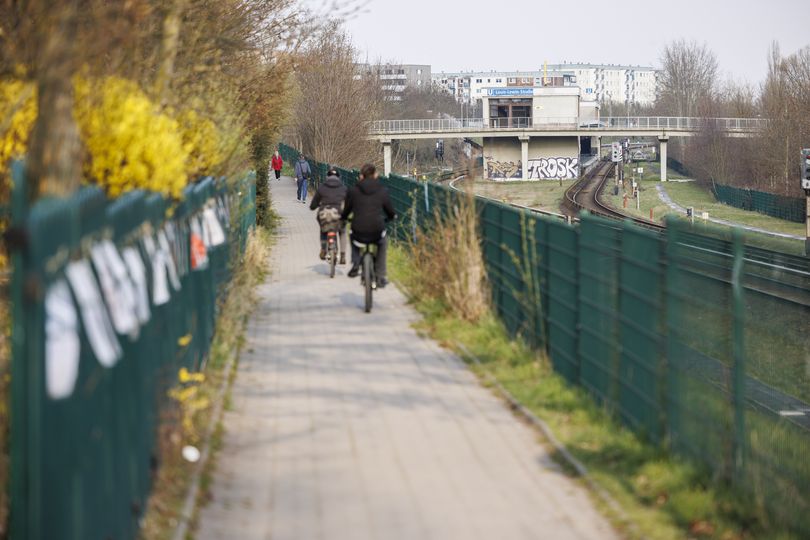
(368, 278)
(332, 259)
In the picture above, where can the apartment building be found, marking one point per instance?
(635, 85)
(395, 78)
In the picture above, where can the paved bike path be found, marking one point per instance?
(346, 425)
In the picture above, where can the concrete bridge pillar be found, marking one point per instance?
(598, 147)
(662, 140)
(387, 156)
(524, 156)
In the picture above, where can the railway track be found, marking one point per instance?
(584, 195)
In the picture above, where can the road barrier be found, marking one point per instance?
(110, 299)
(694, 342)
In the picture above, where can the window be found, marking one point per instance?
(489, 80)
(418, 71)
(479, 80)
(419, 82)
(498, 80)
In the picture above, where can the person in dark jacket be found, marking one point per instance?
(331, 195)
(278, 164)
(370, 204)
(302, 174)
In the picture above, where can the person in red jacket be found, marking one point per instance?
(278, 163)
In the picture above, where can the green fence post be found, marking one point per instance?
(18, 465)
(738, 352)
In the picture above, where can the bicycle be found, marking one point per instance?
(368, 259)
(332, 251)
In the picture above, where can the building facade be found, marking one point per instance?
(632, 85)
(396, 78)
(471, 87)
(531, 158)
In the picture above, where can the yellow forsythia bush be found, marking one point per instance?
(18, 111)
(132, 145)
(201, 141)
(130, 142)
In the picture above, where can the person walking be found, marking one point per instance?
(328, 201)
(302, 175)
(278, 163)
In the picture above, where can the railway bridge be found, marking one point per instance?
(549, 131)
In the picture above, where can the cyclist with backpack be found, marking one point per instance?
(328, 201)
(371, 205)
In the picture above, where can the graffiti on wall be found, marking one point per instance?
(553, 168)
(504, 169)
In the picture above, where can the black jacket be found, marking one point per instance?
(330, 193)
(368, 200)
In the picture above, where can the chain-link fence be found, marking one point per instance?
(110, 299)
(778, 206)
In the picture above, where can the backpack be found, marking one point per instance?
(328, 218)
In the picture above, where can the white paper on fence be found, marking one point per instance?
(119, 303)
(160, 284)
(61, 341)
(137, 272)
(149, 245)
(124, 286)
(96, 322)
(205, 232)
(173, 236)
(163, 242)
(214, 227)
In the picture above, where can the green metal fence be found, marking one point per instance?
(696, 341)
(778, 206)
(87, 398)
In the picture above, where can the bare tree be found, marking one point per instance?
(785, 100)
(336, 100)
(688, 76)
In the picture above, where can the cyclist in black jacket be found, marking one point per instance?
(370, 204)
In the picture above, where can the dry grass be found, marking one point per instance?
(174, 475)
(448, 254)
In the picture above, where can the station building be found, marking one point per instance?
(531, 157)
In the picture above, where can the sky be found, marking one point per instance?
(507, 35)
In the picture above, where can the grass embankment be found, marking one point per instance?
(692, 194)
(541, 194)
(662, 496)
(175, 473)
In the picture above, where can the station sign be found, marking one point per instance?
(806, 169)
(500, 92)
